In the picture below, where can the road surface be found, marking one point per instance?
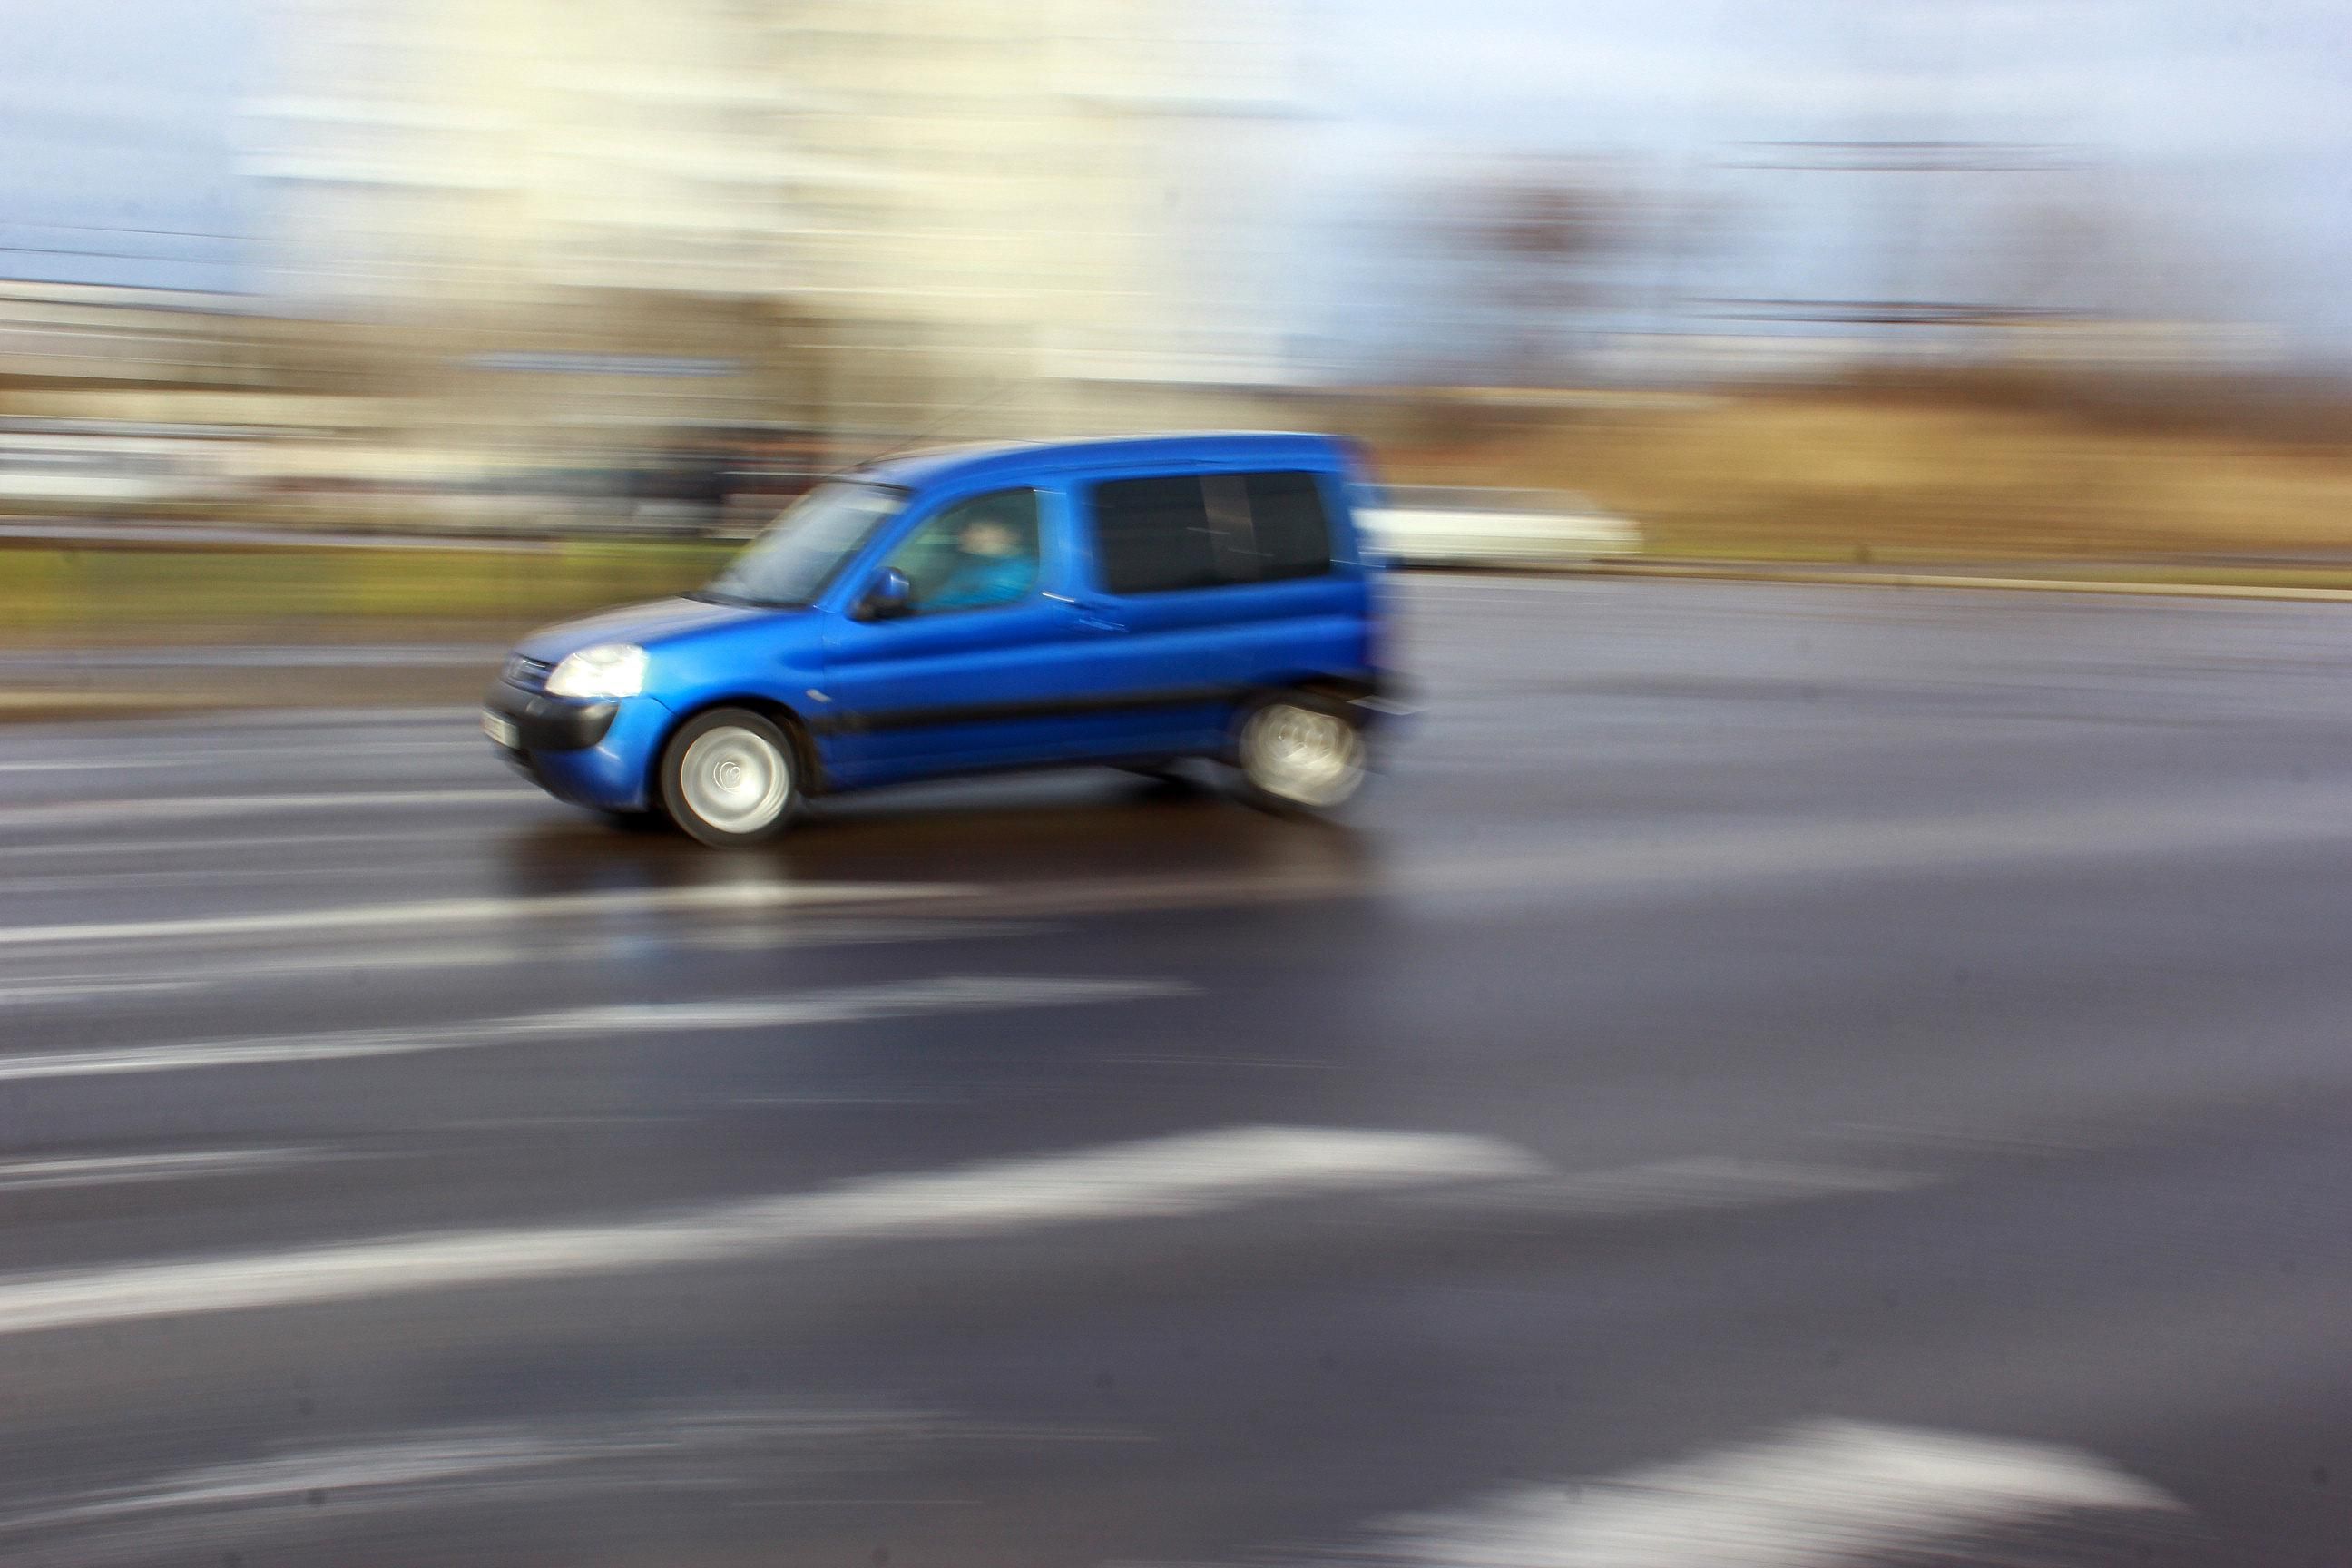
(1772, 1076)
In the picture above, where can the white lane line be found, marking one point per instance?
(2035, 1137)
(327, 720)
(180, 808)
(1194, 1172)
(465, 743)
(435, 913)
(1822, 1493)
(1705, 1181)
(1596, 864)
(218, 878)
(72, 850)
(502, 1461)
(185, 756)
(45, 989)
(948, 994)
(112, 1170)
(42, 993)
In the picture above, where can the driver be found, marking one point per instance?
(994, 566)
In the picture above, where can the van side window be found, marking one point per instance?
(1294, 538)
(1156, 535)
(974, 555)
(1153, 535)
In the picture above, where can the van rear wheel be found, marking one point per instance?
(727, 778)
(1300, 753)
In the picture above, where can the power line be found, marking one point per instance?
(119, 228)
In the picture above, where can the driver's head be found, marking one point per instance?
(989, 536)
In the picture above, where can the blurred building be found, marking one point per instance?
(862, 216)
(1048, 211)
(86, 336)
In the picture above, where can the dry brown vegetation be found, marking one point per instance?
(1960, 470)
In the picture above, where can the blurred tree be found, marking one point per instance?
(1516, 270)
(1545, 241)
(1546, 230)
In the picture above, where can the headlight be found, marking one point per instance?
(613, 670)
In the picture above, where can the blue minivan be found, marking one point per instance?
(1130, 602)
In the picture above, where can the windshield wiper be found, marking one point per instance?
(742, 601)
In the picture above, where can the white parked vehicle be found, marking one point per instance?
(1433, 526)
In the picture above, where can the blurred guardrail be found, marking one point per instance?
(1439, 526)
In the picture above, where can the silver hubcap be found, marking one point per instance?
(1298, 755)
(734, 780)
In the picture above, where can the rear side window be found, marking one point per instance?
(1153, 535)
(1156, 535)
(1293, 539)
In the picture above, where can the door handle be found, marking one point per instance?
(1089, 616)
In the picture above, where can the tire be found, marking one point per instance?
(1298, 753)
(727, 778)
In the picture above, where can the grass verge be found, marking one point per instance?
(95, 596)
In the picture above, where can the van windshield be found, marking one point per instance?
(790, 564)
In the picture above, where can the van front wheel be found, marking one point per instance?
(727, 778)
(1298, 752)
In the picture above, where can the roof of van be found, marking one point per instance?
(1257, 448)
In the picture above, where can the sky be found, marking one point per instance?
(117, 125)
(2211, 139)
(2224, 127)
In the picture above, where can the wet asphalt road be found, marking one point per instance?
(1772, 1076)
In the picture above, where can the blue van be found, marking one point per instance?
(1130, 602)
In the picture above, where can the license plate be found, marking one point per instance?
(502, 730)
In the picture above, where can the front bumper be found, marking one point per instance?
(597, 753)
(538, 722)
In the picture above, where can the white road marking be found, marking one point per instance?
(187, 756)
(355, 718)
(337, 962)
(503, 1460)
(435, 913)
(1709, 858)
(1589, 864)
(1707, 1182)
(82, 850)
(1822, 1493)
(177, 809)
(110, 1170)
(216, 879)
(947, 994)
(45, 992)
(41, 990)
(327, 720)
(1191, 1173)
(2034, 1138)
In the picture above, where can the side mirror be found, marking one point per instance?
(888, 597)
